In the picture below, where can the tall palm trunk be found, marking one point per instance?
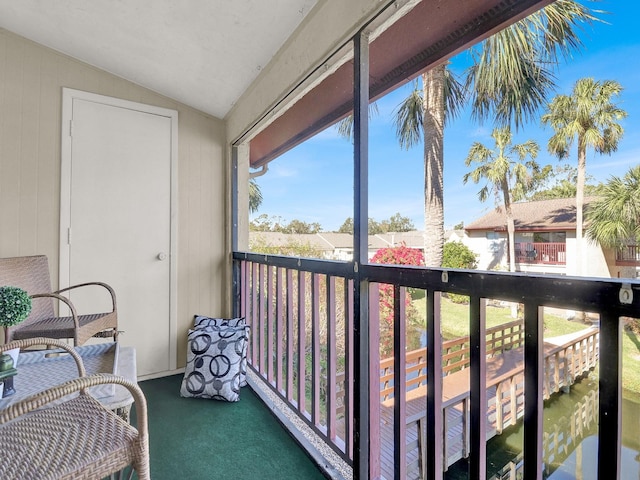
(433, 125)
(511, 227)
(582, 168)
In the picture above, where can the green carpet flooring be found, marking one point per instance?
(207, 439)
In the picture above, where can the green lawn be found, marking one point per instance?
(455, 319)
(455, 323)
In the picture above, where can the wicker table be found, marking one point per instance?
(39, 370)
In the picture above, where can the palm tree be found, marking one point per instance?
(589, 117)
(423, 113)
(509, 80)
(255, 196)
(507, 172)
(614, 218)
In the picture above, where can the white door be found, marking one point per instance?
(119, 225)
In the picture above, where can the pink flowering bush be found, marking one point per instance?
(401, 255)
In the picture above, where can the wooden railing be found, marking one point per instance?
(551, 253)
(628, 255)
(313, 318)
(455, 356)
(505, 395)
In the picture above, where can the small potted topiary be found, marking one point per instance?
(15, 306)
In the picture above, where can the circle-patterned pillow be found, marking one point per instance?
(214, 358)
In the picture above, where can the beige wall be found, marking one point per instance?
(31, 81)
(330, 24)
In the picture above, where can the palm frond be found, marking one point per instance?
(513, 71)
(408, 119)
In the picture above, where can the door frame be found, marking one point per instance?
(68, 96)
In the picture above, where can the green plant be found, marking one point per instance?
(458, 255)
(15, 305)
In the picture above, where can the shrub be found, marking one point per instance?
(458, 255)
(401, 255)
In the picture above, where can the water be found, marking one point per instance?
(571, 442)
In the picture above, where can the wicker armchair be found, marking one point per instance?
(60, 434)
(32, 275)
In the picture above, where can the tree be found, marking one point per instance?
(347, 226)
(300, 227)
(565, 177)
(265, 223)
(396, 223)
(422, 115)
(589, 117)
(509, 80)
(255, 196)
(614, 218)
(507, 172)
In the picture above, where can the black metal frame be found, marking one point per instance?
(611, 299)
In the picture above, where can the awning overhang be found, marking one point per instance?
(433, 31)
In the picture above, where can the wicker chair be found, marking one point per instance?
(32, 275)
(60, 434)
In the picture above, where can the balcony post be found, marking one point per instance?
(478, 388)
(364, 467)
(235, 274)
(610, 379)
(533, 390)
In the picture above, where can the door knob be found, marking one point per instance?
(162, 256)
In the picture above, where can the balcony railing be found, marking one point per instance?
(550, 253)
(311, 319)
(628, 255)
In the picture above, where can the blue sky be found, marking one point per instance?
(314, 181)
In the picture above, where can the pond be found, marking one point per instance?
(570, 440)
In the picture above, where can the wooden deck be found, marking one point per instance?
(566, 359)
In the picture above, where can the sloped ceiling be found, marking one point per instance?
(203, 53)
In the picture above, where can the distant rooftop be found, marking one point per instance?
(555, 214)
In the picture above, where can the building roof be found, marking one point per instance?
(413, 239)
(277, 239)
(334, 240)
(555, 214)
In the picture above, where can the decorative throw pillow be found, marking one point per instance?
(201, 321)
(214, 356)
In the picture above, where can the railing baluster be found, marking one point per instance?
(315, 349)
(255, 334)
(270, 364)
(399, 383)
(478, 388)
(349, 362)
(374, 381)
(331, 357)
(302, 340)
(280, 326)
(435, 423)
(262, 304)
(290, 333)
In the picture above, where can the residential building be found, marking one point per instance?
(545, 241)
